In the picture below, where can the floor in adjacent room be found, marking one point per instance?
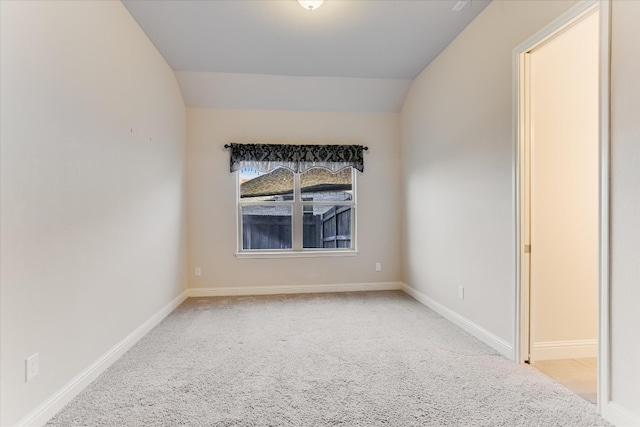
(578, 375)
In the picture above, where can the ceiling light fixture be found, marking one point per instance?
(310, 4)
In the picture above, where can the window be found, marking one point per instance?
(282, 212)
(296, 200)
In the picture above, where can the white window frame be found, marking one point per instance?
(297, 251)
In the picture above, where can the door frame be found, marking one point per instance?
(521, 193)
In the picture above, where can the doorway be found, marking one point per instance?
(559, 116)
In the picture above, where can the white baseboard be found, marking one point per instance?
(55, 403)
(612, 412)
(555, 350)
(619, 416)
(474, 329)
(297, 289)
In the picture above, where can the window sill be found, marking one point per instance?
(297, 254)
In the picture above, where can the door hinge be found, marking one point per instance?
(527, 249)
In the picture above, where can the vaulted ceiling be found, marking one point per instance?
(348, 55)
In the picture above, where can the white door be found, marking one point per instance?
(563, 88)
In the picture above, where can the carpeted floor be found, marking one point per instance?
(351, 359)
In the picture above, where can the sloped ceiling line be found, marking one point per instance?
(347, 56)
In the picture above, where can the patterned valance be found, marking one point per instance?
(297, 158)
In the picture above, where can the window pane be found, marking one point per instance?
(266, 227)
(319, 185)
(326, 227)
(273, 186)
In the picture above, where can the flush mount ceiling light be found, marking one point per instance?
(310, 4)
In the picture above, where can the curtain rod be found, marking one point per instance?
(229, 146)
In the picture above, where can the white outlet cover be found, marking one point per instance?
(32, 366)
(198, 272)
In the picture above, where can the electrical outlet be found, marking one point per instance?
(459, 5)
(198, 272)
(32, 366)
(378, 266)
(461, 292)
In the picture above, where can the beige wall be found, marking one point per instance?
(564, 193)
(212, 197)
(458, 163)
(625, 205)
(92, 213)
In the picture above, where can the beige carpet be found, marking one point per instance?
(356, 359)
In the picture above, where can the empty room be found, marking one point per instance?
(310, 213)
